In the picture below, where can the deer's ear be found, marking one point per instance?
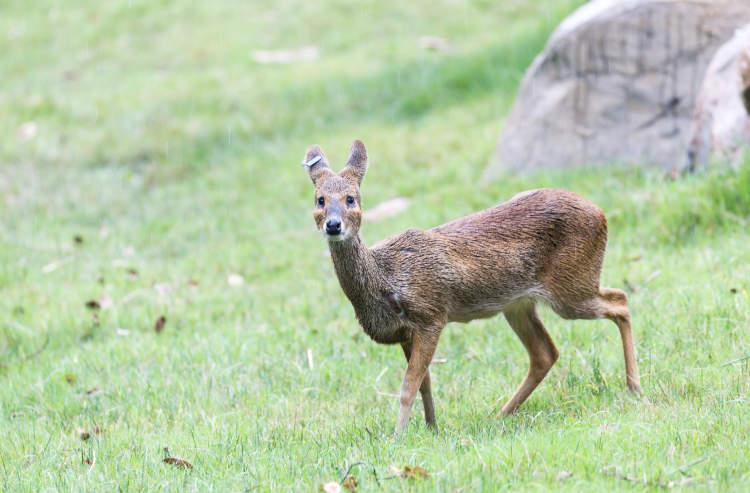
(316, 163)
(356, 167)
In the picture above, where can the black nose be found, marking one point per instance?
(333, 227)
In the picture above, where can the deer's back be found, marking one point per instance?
(540, 243)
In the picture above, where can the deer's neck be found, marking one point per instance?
(358, 273)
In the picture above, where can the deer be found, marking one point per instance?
(541, 246)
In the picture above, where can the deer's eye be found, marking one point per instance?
(349, 200)
(321, 201)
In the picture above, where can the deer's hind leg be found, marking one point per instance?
(612, 304)
(525, 322)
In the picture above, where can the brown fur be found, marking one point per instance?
(541, 245)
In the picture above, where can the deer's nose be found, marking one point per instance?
(333, 227)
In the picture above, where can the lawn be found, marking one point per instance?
(149, 167)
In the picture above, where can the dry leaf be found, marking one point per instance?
(310, 363)
(178, 462)
(386, 209)
(160, 322)
(27, 131)
(350, 483)
(162, 288)
(412, 472)
(331, 487)
(93, 305)
(106, 302)
(235, 280)
(563, 475)
(301, 54)
(415, 472)
(435, 43)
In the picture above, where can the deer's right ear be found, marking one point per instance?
(316, 163)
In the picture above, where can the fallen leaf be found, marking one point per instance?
(160, 322)
(27, 131)
(53, 266)
(310, 363)
(435, 43)
(563, 475)
(410, 472)
(350, 483)
(331, 487)
(106, 302)
(301, 54)
(415, 472)
(93, 305)
(178, 462)
(235, 280)
(162, 288)
(93, 392)
(386, 209)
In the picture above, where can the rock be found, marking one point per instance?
(721, 121)
(617, 82)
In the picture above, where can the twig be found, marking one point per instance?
(377, 381)
(37, 352)
(352, 466)
(738, 360)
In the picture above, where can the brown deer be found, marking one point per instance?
(541, 245)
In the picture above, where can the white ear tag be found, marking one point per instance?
(310, 163)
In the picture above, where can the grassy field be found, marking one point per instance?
(147, 162)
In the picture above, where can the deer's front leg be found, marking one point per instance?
(425, 389)
(423, 344)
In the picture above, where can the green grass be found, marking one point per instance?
(175, 158)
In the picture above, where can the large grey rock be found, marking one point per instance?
(617, 82)
(721, 121)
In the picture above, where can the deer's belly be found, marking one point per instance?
(467, 314)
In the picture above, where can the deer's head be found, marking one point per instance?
(338, 210)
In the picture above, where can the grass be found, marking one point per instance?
(173, 157)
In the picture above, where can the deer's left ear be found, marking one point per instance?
(356, 167)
